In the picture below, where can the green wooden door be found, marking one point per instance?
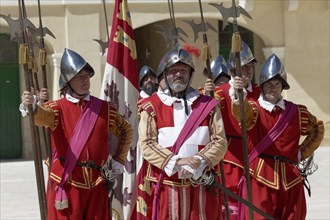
(10, 123)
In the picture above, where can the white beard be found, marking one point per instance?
(178, 87)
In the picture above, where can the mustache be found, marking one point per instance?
(178, 78)
(150, 84)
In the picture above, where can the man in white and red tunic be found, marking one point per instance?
(279, 162)
(80, 125)
(181, 137)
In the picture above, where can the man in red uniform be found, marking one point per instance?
(80, 125)
(220, 71)
(278, 161)
(220, 75)
(233, 161)
(170, 169)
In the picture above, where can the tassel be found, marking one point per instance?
(61, 199)
(42, 57)
(236, 45)
(30, 62)
(23, 54)
(206, 52)
(60, 205)
(34, 65)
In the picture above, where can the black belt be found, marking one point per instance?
(89, 164)
(233, 136)
(277, 157)
(284, 159)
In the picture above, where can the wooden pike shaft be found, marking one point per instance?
(36, 154)
(242, 115)
(244, 137)
(45, 133)
(35, 140)
(209, 76)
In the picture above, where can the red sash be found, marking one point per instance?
(80, 135)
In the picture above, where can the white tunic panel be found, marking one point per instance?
(168, 135)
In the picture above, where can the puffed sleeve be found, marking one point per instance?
(313, 129)
(123, 130)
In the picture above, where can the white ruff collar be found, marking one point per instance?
(72, 99)
(270, 106)
(143, 94)
(168, 100)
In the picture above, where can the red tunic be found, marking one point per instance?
(96, 148)
(278, 184)
(86, 188)
(84, 184)
(233, 161)
(234, 154)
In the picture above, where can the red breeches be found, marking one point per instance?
(84, 204)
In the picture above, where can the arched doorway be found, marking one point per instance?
(151, 45)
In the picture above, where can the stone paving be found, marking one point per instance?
(19, 198)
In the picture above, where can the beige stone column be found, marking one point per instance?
(56, 67)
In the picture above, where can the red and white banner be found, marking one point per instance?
(120, 85)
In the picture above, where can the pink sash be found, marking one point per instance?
(77, 142)
(283, 121)
(203, 108)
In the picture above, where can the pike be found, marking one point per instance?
(104, 44)
(32, 64)
(206, 47)
(23, 60)
(107, 169)
(33, 70)
(41, 32)
(204, 27)
(171, 34)
(199, 27)
(235, 12)
(240, 199)
(14, 27)
(174, 29)
(207, 56)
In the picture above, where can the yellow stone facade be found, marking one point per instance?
(297, 31)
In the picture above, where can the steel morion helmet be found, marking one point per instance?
(218, 68)
(71, 64)
(176, 55)
(145, 70)
(273, 67)
(245, 54)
